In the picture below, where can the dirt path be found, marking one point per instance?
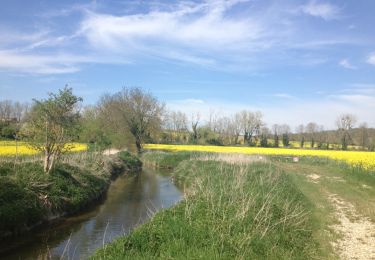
(357, 233)
(346, 209)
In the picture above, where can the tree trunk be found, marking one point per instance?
(138, 144)
(46, 164)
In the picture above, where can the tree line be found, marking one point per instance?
(132, 117)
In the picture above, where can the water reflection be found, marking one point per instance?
(130, 201)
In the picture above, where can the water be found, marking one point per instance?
(130, 201)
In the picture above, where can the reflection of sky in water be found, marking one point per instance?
(130, 201)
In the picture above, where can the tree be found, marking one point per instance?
(284, 130)
(301, 132)
(275, 129)
(264, 133)
(52, 124)
(93, 130)
(344, 124)
(251, 123)
(195, 117)
(138, 111)
(363, 136)
(311, 129)
(236, 125)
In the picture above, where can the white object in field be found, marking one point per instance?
(295, 159)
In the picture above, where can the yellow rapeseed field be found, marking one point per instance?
(8, 148)
(354, 158)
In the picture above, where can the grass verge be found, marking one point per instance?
(242, 211)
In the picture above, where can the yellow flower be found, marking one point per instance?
(9, 148)
(365, 160)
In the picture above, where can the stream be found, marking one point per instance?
(130, 201)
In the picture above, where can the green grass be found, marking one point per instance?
(352, 184)
(251, 211)
(29, 196)
(166, 160)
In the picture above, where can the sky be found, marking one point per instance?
(296, 61)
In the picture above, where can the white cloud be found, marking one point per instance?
(325, 11)
(346, 64)
(371, 59)
(202, 25)
(41, 64)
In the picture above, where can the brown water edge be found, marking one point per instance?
(130, 201)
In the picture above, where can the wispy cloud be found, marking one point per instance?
(41, 64)
(326, 11)
(230, 35)
(346, 64)
(211, 34)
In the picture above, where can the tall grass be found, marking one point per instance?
(242, 211)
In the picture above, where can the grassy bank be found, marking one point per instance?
(29, 197)
(244, 210)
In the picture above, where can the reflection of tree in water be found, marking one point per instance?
(127, 205)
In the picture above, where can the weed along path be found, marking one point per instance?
(130, 201)
(343, 206)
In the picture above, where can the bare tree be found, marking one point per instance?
(363, 136)
(345, 123)
(251, 123)
(176, 124)
(264, 133)
(276, 130)
(237, 126)
(5, 109)
(195, 117)
(311, 129)
(301, 133)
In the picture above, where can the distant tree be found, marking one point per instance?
(363, 136)
(321, 137)
(237, 126)
(52, 124)
(301, 132)
(311, 129)
(195, 117)
(251, 123)
(264, 133)
(275, 129)
(5, 109)
(344, 124)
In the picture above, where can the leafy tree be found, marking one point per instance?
(93, 130)
(285, 139)
(135, 111)
(52, 124)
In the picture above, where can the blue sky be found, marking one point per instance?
(296, 61)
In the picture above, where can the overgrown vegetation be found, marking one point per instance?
(246, 211)
(29, 197)
(52, 124)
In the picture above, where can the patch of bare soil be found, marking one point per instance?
(357, 233)
(314, 177)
